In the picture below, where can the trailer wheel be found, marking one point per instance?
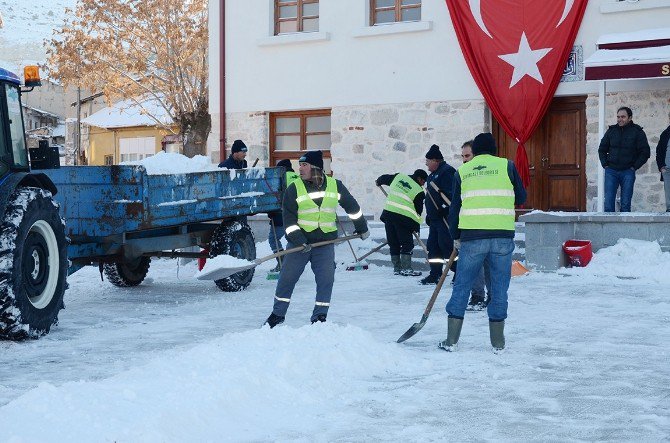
(33, 264)
(127, 274)
(235, 239)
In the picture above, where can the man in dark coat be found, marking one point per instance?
(623, 150)
(440, 243)
(236, 159)
(402, 216)
(308, 209)
(663, 162)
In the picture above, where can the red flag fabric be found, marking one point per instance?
(516, 51)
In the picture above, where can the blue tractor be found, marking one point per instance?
(117, 217)
(33, 245)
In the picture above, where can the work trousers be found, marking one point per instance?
(399, 238)
(322, 260)
(440, 244)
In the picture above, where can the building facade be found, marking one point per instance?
(375, 82)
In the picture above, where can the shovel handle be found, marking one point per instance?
(301, 247)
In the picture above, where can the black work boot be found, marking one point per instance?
(395, 259)
(430, 279)
(477, 303)
(406, 266)
(321, 318)
(278, 267)
(273, 320)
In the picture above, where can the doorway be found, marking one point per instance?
(556, 156)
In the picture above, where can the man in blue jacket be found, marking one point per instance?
(237, 154)
(440, 243)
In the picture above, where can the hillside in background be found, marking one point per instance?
(26, 25)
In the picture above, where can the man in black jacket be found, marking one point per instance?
(308, 209)
(402, 216)
(663, 162)
(237, 154)
(440, 243)
(623, 150)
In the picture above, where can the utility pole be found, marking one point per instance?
(78, 137)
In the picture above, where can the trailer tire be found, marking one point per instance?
(235, 239)
(127, 274)
(33, 264)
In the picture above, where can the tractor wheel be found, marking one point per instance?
(33, 264)
(235, 239)
(127, 274)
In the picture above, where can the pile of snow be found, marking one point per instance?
(628, 259)
(173, 163)
(241, 386)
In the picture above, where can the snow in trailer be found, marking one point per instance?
(175, 360)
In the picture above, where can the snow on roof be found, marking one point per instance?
(59, 131)
(636, 36)
(607, 57)
(127, 113)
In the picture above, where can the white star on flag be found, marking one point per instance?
(525, 61)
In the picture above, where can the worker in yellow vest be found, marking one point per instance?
(276, 219)
(481, 221)
(308, 208)
(402, 217)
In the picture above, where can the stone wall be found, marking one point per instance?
(650, 110)
(368, 141)
(250, 127)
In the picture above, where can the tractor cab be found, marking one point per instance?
(13, 151)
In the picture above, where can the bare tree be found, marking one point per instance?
(144, 51)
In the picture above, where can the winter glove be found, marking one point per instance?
(377, 182)
(306, 248)
(364, 235)
(457, 244)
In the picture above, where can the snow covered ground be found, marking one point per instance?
(176, 360)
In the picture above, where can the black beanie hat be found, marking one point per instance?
(238, 146)
(434, 153)
(314, 158)
(420, 173)
(484, 143)
(286, 164)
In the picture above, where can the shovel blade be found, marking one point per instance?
(219, 273)
(416, 327)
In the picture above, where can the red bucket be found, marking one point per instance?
(579, 252)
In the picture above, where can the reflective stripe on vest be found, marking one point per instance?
(310, 215)
(400, 200)
(487, 194)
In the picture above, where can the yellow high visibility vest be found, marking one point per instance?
(487, 194)
(400, 200)
(310, 215)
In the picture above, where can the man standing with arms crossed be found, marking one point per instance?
(481, 220)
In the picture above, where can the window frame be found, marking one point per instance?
(398, 8)
(275, 155)
(299, 17)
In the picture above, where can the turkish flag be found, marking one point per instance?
(516, 51)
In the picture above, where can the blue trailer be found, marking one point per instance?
(56, 220)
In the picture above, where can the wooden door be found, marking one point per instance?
(556, 155)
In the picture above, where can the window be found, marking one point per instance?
(135, 149)
(296, 16)
(16, 126)
(391, 11)
(292, 133)
(109, 160)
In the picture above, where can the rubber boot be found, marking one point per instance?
(395, 259)
(454, 326)
(406, 266)
(496, 331)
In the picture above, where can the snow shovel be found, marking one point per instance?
(219, 273)
(416, 327)
(356, 266)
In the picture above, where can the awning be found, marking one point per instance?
(633, 55)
